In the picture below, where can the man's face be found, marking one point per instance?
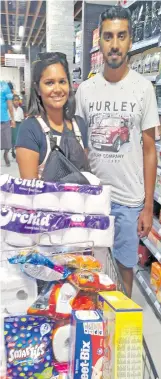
(115, 42)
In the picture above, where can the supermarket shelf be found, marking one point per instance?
(152, 248)
(158, 145)
(157, 226)
(151, 78)
(158, 82)
(142, 277)
(94, 49)
(157, 197)
(159, 111)
(144, 44)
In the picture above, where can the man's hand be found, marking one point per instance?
(145, 222)
(13, 124)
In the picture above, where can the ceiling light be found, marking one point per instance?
(1, 41)
(21, 31)
(17, 47)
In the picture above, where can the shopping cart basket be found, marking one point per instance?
(149, 370)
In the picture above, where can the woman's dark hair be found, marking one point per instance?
(36, 107)
(114, 13)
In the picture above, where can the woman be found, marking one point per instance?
(51, 111)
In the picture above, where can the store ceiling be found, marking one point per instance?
(31, 14)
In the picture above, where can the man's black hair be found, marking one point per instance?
(114, 13)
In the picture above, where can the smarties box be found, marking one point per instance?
(123, 341)
(87, 345)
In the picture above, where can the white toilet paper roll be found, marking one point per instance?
(4, 179)
(103, 238)
(19, 201)
(18, 300)
(99, 204)
(48, 201)
(54, 238)
(72, 202)
(60, 343)
(19, 240)
(2, 198)
(75, 235)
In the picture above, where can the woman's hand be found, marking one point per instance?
(28, 162)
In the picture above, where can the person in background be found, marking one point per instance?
(18, 118)
(120, 108)
(51, 108)
(23, 101)
(6, 119)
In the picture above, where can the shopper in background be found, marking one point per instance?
(51, 105)
(6, 119)
(18, 117)
(23, 101)
(120, 108)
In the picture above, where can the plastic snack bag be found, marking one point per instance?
(92, 281)
(55, 301)
(40, 267)
(28, 342)
(79, 261)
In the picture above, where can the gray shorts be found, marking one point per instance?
(6, 142)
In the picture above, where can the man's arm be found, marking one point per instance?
(150, 167)
(10, 107)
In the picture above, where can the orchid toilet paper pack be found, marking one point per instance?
(37, 194)
(24, 227)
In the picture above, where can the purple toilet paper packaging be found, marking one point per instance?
(34, 186)
(38, 222)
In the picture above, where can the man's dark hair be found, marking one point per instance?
(36, 106)
(114, 13)
(16, 97)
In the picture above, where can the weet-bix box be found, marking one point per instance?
(87, 345)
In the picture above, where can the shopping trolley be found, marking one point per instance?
(149, 370)
(111, 268)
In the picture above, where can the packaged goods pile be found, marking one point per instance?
(61, 330)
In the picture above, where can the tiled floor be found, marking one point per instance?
(152, 327)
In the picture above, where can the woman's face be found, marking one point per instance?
(54, 87)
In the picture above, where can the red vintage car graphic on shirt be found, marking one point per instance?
(111, 134)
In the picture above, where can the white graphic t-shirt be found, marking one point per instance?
(116, 114)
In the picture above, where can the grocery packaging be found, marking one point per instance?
(123, 336)
(95, 37)
(91, 281)
(155, 279)
(86, 345)
(28, 342)
(143, 253)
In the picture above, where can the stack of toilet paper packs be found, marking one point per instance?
(35, 214)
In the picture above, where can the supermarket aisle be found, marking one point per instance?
(12, 170)
(152, 328)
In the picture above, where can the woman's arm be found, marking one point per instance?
(28, 161)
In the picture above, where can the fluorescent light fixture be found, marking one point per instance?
(21, 31)
(17, 47)
(1, 41)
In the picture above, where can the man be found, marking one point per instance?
(5, 116)
(120, 107)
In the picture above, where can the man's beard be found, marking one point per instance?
(114, 65)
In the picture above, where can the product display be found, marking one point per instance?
(155, 279)
(124, 336)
